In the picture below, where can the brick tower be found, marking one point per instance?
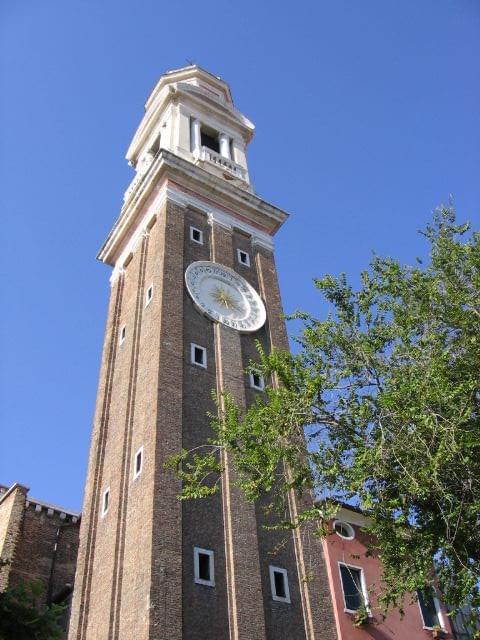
(193, 286)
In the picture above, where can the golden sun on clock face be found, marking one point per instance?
(224, 296)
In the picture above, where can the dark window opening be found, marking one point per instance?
(343, 530)
(257, 381)
(352, 587)
(428, 608)
(199, 355)
(279, 581)
(106, 497)
(196, 235)
(210, 140)
(138, 462)
(243, 257)
(204, 566)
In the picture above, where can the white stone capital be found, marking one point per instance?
(116, 273)
(264, 241)
(214, 218)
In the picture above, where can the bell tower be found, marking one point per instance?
(193, 286)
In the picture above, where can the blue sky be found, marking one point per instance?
(366, 116)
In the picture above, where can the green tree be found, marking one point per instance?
(22, 619)
(386, 392)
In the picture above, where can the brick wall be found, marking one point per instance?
(12, 505)
(135, 568)
(205, 608)
(46, 551)
(40, 544)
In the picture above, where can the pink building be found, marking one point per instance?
(354, 578)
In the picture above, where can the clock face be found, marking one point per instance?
(224, 296)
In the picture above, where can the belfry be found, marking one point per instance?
(193, 287)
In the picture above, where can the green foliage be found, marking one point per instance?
(22, 619)
(362, 616)
(386, 392)
(195, 469)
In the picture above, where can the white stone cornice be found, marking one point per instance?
(116, 273)
(220, 221)
(243, 209)
(175, 196)
(217, 216)
(259, 241)
(142, 230)
(186, 73)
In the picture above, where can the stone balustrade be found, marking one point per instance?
(209, 155)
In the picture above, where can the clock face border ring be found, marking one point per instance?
(214, 270)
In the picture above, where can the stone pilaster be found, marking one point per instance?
(244, 582)
(311, 567)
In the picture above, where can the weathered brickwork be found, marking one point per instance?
(46, 551)
(243, 565)
(166, 555)
(84, 593)
(40, 544)
(205, 611)
(12, 506)
(136, 570)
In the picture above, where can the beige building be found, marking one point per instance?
(193, 286)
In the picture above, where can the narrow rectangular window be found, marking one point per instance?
(428, 608)
(198, 355)
(138, 463)
(243, 257)
(279, 584)
(203, 567)
(149, 295)
(257, 381)
(354, 592)
(123, 333)
(196, 235)
(105, 501)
